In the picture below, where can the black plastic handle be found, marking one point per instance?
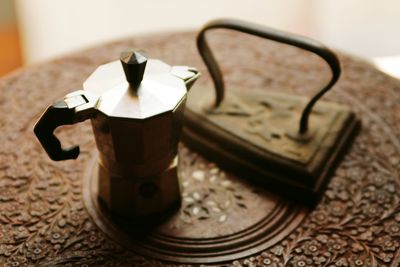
(275, 35)
(56, 115)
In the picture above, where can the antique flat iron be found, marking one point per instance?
(128, 101)
(277, 139)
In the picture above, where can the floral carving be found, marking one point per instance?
(43, 220)
(214, 196)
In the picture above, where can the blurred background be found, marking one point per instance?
(10, 50)
(36, 31)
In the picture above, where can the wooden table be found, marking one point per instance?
(49, 215)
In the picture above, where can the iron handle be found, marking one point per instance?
(275, 35)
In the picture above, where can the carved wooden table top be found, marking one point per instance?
(49, 217)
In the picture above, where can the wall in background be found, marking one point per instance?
(366, 28)
(53, 27)
(10, 53)
(50, 28)
(7, 13)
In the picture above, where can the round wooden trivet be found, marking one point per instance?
(220, 218)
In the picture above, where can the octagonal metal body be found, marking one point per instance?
(138, 147)
(137, 131)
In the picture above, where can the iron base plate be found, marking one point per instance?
(254, 134)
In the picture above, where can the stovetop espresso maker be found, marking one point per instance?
(136, 107)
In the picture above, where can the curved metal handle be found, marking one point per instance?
(63, 112)
(275, 35)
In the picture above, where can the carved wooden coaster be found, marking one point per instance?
(221, 217)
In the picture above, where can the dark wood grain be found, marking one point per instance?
(45, 221)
